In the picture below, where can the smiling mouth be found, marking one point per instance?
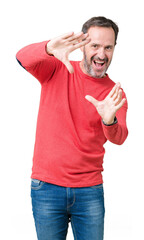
(99, 63)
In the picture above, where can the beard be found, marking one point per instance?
(89, 69)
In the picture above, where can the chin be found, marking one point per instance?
(97, 75)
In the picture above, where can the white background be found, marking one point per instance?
(29, 21)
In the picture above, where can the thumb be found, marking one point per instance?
(92, 100)
(68, 66)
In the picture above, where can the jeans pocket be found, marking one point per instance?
(36, 184)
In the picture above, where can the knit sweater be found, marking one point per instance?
(70, 134)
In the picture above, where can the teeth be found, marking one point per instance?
(98, 62)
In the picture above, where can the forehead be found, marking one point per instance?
(101, 35)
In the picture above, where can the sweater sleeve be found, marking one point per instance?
(36, 61)
(118, 132)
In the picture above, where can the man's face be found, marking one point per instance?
(97, 54)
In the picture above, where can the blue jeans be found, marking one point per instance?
(55, 206)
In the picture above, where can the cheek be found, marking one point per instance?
(109, 57)
(89, 56)
(89, 53)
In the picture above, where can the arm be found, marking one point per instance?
(41, 59)
(36, 61)
(117, 132)
(113, 111)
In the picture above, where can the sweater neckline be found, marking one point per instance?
(89, 77)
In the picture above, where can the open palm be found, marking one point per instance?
(62, 46)
(110, 105)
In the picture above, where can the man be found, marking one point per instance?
(80, 109)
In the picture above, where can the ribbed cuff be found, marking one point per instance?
(115, 121)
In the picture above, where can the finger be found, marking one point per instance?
(68, 66)
(92, 100)
(76, 36)
(81, 44)
(67, 35)
(80, 39)
(120, 104)
(118, 98)
(115, 95)
(117, 85)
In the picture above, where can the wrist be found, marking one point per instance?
(110, 123)
(48, 49)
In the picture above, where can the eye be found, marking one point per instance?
(109, 48)
(95, 45)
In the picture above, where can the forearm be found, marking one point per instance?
(32, 54)
(36, 61)
(116, 133)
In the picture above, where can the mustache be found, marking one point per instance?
(99, 59)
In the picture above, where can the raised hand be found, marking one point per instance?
(62, 46)
(110, 105)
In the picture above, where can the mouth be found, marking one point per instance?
(99, 64)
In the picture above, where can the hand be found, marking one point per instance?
(110, 105)
(62, 46)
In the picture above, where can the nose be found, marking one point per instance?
(101, 53)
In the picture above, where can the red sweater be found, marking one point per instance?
(70, 133)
